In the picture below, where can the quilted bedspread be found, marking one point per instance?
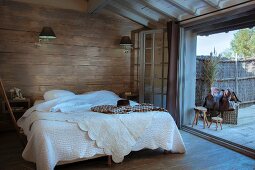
(65, 130)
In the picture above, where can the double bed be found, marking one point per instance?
(63, 129)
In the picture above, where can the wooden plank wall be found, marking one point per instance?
(85, 55)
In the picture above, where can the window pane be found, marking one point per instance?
(165, 70)
(165, 39)
(164, 101)
(148, 57)
(157, 100)
(164, 86)
(147, 71)
(158, 71)
(148, 41)
(158, 40)
(158, 59)
(157, 85)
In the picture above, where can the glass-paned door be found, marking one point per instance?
(153, 67)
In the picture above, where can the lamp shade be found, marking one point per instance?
(47, 33)
(125, 40)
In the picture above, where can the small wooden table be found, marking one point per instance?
(199, 109)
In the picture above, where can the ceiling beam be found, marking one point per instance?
(131, 8)
(242, 22)
(212, 4)
(158, 10)
(184, 7)
(221, 15)
(127, 14)
(96, 5)
(233, 27)
(225, 4)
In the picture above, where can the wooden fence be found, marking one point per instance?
(238, 75)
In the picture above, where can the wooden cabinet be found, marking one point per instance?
(19, 107)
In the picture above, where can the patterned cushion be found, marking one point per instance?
(104, 108)
(122, 110)
(111, 109)
(145, 107)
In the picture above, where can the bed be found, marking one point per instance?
(64, 130)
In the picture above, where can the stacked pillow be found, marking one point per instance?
(54, 94)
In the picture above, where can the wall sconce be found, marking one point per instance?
(126, 43)
(47, 34)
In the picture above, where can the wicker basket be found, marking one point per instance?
(230, 117)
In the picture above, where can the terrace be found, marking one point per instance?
(242, 133)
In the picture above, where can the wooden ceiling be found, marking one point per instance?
(151, 13)
(156, 12)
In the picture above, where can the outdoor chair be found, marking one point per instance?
(222, 103)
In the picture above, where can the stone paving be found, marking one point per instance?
(243, 133)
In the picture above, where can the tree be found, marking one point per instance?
(243, 43)
(228, 53)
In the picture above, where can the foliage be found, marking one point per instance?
(210, 67)
(228, 53)
(244, 43)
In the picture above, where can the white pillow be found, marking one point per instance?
(53, 94)
(38, 102)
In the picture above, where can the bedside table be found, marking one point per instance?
(130, 96)
(19, 107)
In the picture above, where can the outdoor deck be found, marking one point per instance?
(243, 133)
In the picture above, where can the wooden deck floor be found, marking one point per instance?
(201, 154)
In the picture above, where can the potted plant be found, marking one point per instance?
(210, 72)
(210, 67)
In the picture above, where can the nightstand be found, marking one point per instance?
(130, 96)
(19, 107)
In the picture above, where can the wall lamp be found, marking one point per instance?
(47, 34)
(126, 43)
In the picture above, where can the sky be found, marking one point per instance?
(221, 42)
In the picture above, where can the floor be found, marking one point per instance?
(201, 154)
(243, 133)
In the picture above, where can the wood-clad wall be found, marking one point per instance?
(85, 55)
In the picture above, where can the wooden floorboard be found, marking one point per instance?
(201, 154)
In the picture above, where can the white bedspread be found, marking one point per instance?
(76, 132)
